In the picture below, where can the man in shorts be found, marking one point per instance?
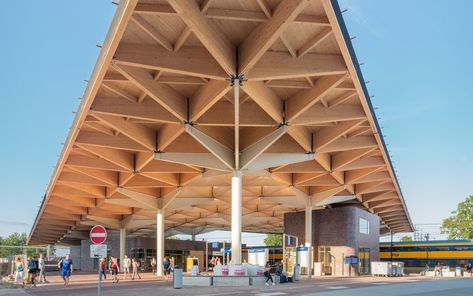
(66, 267)
(126, 267)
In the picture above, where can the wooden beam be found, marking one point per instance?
(320, 196)
(107, 177)
(151, 32)
(318, 114)
(206, 97)
(328, 135)
(116, 142)
(344, 144)
(118, 91)
(120, 158)
(193, 61)
(166, 96)
(261, 38)
(341, 159)
(137, 132)
(228, 14)
(87, 162)
(313, 42)
(148, 109)
(304, 99)
(354, 175)
(213, 39)
(287, 67)
(366, 162)
(222, 114)
(266, 98)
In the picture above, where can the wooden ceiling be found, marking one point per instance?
(162, 78)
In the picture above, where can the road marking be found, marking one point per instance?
(271, 294)
(336, 287)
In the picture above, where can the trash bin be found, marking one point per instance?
(177, 278)
(296, 272)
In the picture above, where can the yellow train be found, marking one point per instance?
(421, 253)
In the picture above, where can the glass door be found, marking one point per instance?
(364, 260)
(325, 258)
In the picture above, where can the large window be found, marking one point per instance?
(364, 226)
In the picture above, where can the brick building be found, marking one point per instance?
(336, 234)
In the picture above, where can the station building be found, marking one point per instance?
(225, 115)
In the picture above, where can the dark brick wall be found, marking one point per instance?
(336, 227)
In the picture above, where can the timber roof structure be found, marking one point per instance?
(156, 126)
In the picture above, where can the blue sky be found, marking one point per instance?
(416, 54)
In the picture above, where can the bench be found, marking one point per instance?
(231, 281)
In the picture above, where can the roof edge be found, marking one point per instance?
(117, 28)
(337, 13)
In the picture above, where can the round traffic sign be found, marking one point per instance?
(98, 234)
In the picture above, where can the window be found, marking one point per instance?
(364, 226)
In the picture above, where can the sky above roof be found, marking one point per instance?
(416, 55)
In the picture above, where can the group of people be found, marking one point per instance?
(168, 266)
(35, 267)
(114, 267)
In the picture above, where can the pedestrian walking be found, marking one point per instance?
(32, 270)
(66, 266)
(267, 274)
(115, 269)
(136, 266)
(42, 269)
(167, 267)
(153, 265)
(126, 267)
(103, 268)
(19, 272)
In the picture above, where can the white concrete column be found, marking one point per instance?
(236, 216)
(159, 241)
(308, 235)
(122, 244)
(193, 234)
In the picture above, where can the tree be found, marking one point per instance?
(406, 238)
(460, 224)
(273, 239)
(15, 239)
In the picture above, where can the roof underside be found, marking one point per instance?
(156, 125)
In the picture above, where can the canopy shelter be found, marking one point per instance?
(224, 114)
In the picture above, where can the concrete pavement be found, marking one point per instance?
(85, 284)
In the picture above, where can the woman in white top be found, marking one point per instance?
(42, 269)
(19, 271)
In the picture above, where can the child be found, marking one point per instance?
(19, 268)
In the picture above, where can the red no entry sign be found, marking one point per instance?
(98, 234)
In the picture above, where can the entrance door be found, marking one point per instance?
(325, 258)
(364, 260)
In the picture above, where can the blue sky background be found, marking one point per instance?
(416, 54)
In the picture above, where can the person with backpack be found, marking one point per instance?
(32, 270)
(66, 267)
(19, 271)
(136, 266)
(167, 267)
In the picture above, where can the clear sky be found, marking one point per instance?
(416, 54)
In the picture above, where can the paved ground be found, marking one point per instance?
(85, 284)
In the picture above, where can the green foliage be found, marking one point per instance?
(406, 238)
(460, 224)
(273, 240)
(15, 239)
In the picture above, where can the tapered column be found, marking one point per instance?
(122, 244)
(308, 236)
(236, 217)
(159, 241)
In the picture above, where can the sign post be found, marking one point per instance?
(98, 235)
